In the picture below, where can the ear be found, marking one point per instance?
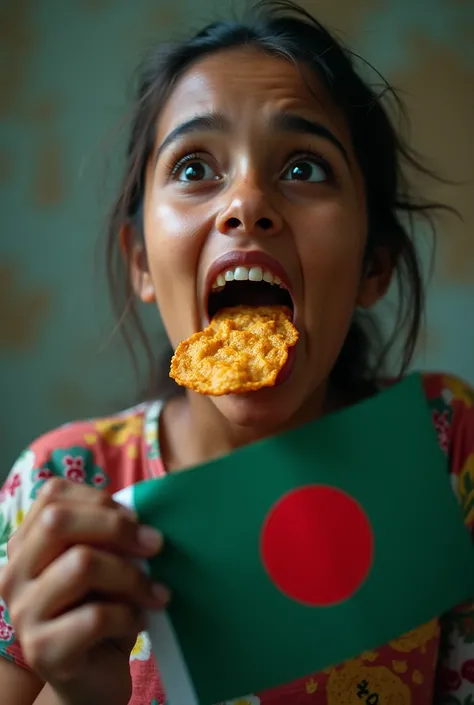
(134, 253)
(376, 279)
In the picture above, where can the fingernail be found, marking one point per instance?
(149, 538)
(161, 593)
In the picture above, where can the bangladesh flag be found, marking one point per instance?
(304, 550)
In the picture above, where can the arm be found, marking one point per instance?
(48, 697)
(20, 686)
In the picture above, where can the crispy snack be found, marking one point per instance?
(243, 349)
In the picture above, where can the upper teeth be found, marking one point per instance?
(242, 274)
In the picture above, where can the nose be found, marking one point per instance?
(248, 211)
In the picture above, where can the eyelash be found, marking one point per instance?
(315, 156)
(176, 164)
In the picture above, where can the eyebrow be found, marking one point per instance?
(211, 122)
(284, 122)
(288, 122)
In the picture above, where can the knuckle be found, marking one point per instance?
(120, 524)
(101, 498)
(54, 517)
(17, 612)
(82, 560)
(97, 618)
(54, 487)
(35, 648)
(19, 609)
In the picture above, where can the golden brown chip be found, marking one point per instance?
(243, 349)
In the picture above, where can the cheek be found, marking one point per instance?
(331, 258)
(332, 253)
(173, 252)
(169, 231)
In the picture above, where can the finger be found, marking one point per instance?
(77, 574)
(60, 645)
(60, 490)
(62, 525)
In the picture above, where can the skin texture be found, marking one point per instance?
(247, 200)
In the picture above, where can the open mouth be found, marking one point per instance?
(252, 286)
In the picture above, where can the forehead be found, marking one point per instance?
(248, 85)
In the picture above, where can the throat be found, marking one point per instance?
(191, 417)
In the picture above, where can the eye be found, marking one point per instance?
(305, 170)
(193, 169)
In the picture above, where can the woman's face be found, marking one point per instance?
(254, 168)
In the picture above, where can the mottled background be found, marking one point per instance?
(65, 70)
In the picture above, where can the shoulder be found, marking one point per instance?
(451, 401)
(449, 389)
(107, 453)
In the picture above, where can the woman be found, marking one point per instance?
(256, 146)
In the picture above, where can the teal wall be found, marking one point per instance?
(65, 71)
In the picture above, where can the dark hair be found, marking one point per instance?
(281, 28)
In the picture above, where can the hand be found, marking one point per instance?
(75, 598)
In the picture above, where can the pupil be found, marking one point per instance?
(301, 171)
(194, 171)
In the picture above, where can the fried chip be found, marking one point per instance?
(243, 349)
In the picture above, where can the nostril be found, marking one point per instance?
(265, 223)
(235, 223)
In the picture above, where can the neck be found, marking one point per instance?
(210, 435)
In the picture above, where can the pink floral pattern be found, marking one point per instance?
(42, 474)
(99, 480)
(75, 463)
(6, 630)
(441, 424)
(12, 484)
(74, 468)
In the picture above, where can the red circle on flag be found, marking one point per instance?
(317, 545)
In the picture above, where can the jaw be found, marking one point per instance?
(252, 416)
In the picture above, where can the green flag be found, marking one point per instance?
(304, 550)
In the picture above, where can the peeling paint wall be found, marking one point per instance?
(64, 78)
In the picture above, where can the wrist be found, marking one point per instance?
(77, 695)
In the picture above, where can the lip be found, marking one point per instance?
(287, 368)
(244, 258)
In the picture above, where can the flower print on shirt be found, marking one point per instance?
(75, 464)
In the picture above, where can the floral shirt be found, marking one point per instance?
(432, 664)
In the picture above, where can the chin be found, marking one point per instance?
(264, 412)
